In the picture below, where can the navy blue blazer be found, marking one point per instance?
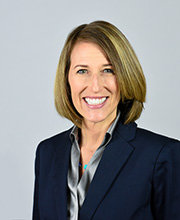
(138, 178)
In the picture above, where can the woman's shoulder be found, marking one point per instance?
(56, 140)
(152, 138)
(57, 136)
(152, 145)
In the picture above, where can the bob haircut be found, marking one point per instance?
(128, 71)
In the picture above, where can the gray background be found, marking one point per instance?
(32, 36)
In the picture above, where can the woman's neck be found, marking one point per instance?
(92, 134)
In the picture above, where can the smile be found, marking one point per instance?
(95, 101)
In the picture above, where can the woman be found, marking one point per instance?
(105, 167)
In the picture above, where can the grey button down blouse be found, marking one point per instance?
(77, 189)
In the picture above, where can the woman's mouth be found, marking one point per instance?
(95, 102)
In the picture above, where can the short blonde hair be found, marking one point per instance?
(128, 71)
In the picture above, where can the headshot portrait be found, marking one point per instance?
(104, 166)
(90, 122)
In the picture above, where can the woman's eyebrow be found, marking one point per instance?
(82, 65)
(108, 64)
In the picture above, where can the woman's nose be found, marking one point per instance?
(96, 83)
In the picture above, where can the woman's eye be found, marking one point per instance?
(108, 71)
(81, 71)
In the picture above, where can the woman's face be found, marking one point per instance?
(93, 84)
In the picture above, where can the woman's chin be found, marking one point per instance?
(97, 118)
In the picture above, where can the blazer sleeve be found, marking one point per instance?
(166, 183)
(35, 214)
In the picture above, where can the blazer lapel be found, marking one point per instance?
(114, 158)
(61, 164)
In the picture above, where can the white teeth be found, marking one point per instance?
(95, 101)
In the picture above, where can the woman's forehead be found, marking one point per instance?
(87, 52)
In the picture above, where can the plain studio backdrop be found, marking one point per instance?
(32, 35)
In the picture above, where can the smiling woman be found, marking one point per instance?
(123, 61)
(104, 167)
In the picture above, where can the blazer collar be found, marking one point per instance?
(114, 157)
(127, 131)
